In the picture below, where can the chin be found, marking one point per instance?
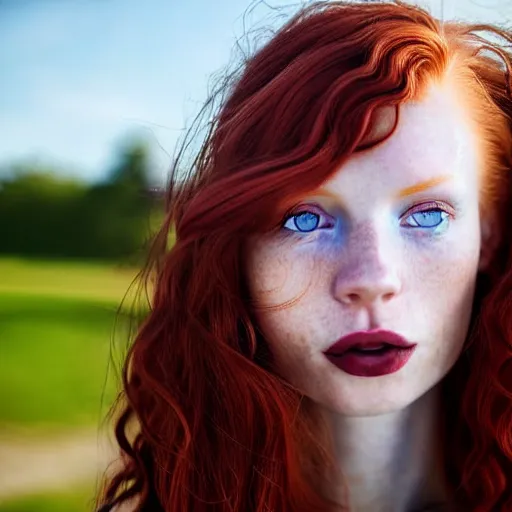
(368, 408)
(349, 395)
(372, 409)
(364, 402)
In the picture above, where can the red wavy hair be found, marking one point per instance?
(216, 428)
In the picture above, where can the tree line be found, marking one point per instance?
(43, 214)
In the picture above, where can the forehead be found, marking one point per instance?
(434, 137)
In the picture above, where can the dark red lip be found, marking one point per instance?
(354, 355)
(365, 339)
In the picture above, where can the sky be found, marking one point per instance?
(79, 77)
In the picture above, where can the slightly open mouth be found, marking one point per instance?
(383, 348)
(371, 358)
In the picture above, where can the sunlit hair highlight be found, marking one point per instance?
(217, 428)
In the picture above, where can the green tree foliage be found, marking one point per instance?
(42, 214)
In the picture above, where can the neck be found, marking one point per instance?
(391, 462)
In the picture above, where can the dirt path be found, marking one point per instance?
(31, 465)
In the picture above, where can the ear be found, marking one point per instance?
(489, 241)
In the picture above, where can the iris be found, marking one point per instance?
(306, 221)
(427, 219)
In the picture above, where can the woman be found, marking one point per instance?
(332, 328)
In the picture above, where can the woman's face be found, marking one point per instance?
(391, 242)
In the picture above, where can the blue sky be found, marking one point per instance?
(78, 76)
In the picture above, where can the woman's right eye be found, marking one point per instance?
(303, 222)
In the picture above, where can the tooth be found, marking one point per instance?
(369, 349)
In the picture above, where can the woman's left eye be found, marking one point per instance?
(430, 218)
(304, 222)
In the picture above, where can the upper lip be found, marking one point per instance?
(363, 339)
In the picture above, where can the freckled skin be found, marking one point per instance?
(369, 270)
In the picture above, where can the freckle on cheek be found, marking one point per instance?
(280, 275)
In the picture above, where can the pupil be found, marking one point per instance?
(306, 221)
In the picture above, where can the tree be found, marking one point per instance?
(42, 214)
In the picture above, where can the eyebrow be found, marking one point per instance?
(423, 185)
(405, 192)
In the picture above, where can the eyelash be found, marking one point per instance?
(431, 206)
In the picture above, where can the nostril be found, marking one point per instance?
(352, 297)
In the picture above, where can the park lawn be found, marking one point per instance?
(56, 330)
(75, 500)
(106, 282)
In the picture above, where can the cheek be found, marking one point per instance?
(448, 297)
(284, 286)
(278, 275)
(447, 270)
(440, 297)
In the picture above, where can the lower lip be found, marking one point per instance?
(372, 365)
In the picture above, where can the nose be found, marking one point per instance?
(368, 271)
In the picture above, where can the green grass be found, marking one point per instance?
(95, 281)
(56, 325)
(78, 500)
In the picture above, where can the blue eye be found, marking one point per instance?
(303, 222)
(431, 218)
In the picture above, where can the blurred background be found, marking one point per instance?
(94, 98)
